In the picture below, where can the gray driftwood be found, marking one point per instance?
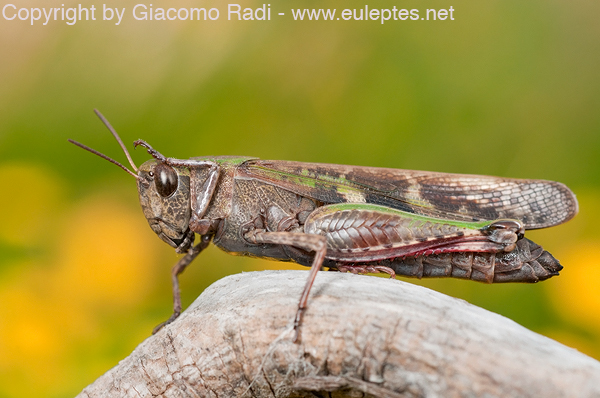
(361, 336)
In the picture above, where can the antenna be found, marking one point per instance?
(114, 133)
(103, 156)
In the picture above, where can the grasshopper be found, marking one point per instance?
(348, 218)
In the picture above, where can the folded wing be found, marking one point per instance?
(537, 203)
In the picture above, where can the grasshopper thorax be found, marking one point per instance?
(164, 193)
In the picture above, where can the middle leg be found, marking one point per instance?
(308, 242)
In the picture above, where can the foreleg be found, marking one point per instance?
(178, 269)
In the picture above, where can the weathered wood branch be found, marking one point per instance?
(360, 335)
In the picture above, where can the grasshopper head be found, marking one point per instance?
(164, 193)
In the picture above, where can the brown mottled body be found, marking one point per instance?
(253, 216)
(351, 218)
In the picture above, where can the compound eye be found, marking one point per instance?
(165, 180)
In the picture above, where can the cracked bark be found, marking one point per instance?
(361, 336)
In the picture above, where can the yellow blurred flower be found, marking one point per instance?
(106, 254)
(101, 263)
(576, 294)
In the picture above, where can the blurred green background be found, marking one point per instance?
(508, 88)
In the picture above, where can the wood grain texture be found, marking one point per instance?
(361, 336)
